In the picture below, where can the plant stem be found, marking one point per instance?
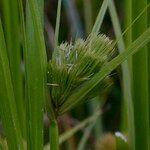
(100, 17)
(128, 112)
(140, 80)
(88, 15)
(54, 135)
(149, 53)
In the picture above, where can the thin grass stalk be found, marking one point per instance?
(35, 70)
(128, 104)
(55, 53)
(8, 109)
(100, 16)
(140, 80)
(88, 15)
(11, 31)
(128, 21)
(149, 53)
(54, 135)
(84, 139)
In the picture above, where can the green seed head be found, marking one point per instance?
(77, 64)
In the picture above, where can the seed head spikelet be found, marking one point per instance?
(78, 63)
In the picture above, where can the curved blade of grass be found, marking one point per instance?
(11, 31)
(100, 17)
(56, 52)
(85, 136)
(8, 108)
(106, 70)
(35, 70)
(128, 104)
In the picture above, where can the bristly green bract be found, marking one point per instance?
(76, 64)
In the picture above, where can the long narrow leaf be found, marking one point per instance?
(11, 32)
(149, 55)
(35, 70)
(140, 79)
(55, 53)
(88, 15)
(100, 17)
(126, 76)
(8, 107)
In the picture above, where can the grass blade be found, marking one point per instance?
(128, 104)
(86, 135)
(140, 79)
(11, 24)
(82, 92)
(35, 69)
(88, 15)
(128, 21)
(149, 54)
(100, 17)
(55, 53)
(8, 107)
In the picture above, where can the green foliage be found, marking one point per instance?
(139, 78)
(11, 30)
(8, 108)
(76, 73)
(35, 71)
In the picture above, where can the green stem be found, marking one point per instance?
(149, 54)
(128, 112)
(140, 80)
(54, 135)
(88, 15)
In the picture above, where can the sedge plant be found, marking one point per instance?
(73, 67)
(76, 72)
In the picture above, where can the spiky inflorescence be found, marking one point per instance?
(77, 64)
